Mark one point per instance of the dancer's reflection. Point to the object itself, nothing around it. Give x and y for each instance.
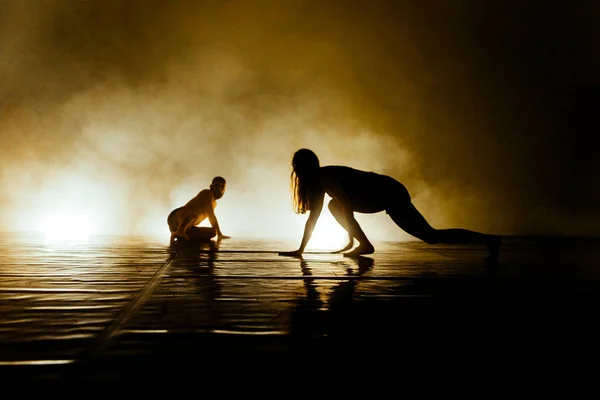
(195, 264)
(365, 264)
(315, 317)
(312, 300)
(194, 249)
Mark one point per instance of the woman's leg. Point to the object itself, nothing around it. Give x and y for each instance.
(350, 224)
(184, 226)
(173, 223)
(172, 220)
(201, 233)
(412, 222)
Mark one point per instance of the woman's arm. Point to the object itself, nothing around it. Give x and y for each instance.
(316, 206)
(311, 222)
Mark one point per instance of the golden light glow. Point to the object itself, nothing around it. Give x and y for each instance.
(328, 234)
(67, 226)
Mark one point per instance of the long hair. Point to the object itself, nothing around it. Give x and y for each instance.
(304, 179)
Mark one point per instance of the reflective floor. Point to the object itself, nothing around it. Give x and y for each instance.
(113, 307)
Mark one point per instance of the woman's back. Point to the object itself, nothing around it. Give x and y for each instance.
(349, 178)
(367, 191)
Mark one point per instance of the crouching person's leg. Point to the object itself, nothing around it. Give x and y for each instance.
(201, 233)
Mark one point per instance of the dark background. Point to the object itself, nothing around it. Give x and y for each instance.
(486, 110)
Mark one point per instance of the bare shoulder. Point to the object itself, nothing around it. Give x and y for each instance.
(328, 172)
(206, 194)
(332, 174)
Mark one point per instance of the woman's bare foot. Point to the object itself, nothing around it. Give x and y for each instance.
(346, 247)
(360, 250)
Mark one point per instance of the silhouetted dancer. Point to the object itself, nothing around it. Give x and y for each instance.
(352, 190)
(183, 220)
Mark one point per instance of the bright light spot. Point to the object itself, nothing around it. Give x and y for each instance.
(328, 234)
(66, 226)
